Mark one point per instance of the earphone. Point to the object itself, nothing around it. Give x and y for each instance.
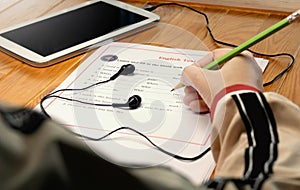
(124, 70)
(132, 103)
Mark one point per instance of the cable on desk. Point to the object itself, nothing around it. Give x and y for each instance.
(151, 8)
(176, 156)
(53, 95)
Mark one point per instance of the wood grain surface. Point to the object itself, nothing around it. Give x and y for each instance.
(24, 85)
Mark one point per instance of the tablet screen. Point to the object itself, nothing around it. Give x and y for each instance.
(75, 27)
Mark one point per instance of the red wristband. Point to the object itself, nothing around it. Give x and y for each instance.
(227, 90)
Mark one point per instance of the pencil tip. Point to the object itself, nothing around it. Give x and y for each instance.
(172, 90)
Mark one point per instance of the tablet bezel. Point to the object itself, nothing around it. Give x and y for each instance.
(34, 59)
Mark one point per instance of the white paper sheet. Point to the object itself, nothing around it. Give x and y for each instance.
(162, 116)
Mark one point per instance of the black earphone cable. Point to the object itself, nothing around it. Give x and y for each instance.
(176, 156)
(52, 95)
(151, 8)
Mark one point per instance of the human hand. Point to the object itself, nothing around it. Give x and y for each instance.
(203, 85)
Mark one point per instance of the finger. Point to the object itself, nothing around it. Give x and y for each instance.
(194, 101)
(188, 98)
(195, 77)
(199, 106)
(190, 74)
(205, 60)
(189, 89)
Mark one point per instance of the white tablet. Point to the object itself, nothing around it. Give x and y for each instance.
(56, 37)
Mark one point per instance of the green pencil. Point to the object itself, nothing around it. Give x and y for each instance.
(244, 46)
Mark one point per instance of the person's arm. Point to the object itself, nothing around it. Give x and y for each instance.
(247, 125)
(202, 86)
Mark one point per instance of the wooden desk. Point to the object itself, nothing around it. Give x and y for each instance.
(23, 85)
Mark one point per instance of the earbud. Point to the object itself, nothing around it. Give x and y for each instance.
(132, 103)
(127, 69)
(124, 70)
